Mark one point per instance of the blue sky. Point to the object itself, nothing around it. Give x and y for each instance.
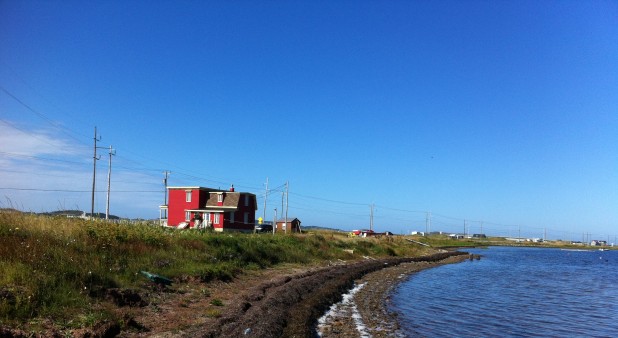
(500, 115)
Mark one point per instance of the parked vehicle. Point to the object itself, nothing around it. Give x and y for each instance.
(263, 228)
(363, 233)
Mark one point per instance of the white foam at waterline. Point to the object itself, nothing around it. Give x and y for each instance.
(336, 309)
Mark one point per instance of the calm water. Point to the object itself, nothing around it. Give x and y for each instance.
(514, 292)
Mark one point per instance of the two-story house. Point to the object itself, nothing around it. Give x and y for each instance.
(222, 210)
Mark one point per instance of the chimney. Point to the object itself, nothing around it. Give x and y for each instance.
(232, 188)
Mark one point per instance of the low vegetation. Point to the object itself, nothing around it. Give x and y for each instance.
(61, 269)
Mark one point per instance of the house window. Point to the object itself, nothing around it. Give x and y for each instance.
(219, 198)
(231, 217)
(188, 196)
(246, 218)
(246, 200)
(217, 218)
(187, 216)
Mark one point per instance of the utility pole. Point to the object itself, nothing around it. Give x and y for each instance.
(94, 170)
(544, 234)
(427, 223)
(112, 152)
(287, 204)
(282, 204)
(163, 211)
(464, 228)
(371, 218)
(166, 173)
(265, 198)
(275, 222)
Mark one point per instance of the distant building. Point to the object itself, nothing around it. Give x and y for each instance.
(290, 225)
(596, 242)
(200, 207)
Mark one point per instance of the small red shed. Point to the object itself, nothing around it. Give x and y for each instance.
(290, 225)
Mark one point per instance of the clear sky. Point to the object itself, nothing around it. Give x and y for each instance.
(501, 115)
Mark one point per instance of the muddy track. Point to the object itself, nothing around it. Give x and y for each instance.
(290, 306)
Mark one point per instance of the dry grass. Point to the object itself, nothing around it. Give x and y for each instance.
(60, 268)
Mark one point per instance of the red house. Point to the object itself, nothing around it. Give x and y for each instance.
(205, 207)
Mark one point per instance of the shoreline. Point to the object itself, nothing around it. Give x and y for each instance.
(290, 306)
(371, 300)
(271, 303)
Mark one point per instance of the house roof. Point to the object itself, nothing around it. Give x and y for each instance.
(290, 219)
(231, 200)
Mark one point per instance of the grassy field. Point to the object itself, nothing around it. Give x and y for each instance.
(56, 268)
(443, 241)
(59, 270)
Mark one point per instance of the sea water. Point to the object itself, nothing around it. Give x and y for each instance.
(513, 292)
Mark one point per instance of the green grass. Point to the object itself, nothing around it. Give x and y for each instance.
(57, 268)
(443, 241)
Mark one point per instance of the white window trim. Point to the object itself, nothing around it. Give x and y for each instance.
(187, 216)
(187, 196)
(217, 218)
(219, 197)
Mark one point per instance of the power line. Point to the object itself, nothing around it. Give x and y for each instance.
(192, 176)
(330, 200)
(73, 190)
(71, 116)
(39, 157)
(41, 115)
(27, 133)
(328, 211)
